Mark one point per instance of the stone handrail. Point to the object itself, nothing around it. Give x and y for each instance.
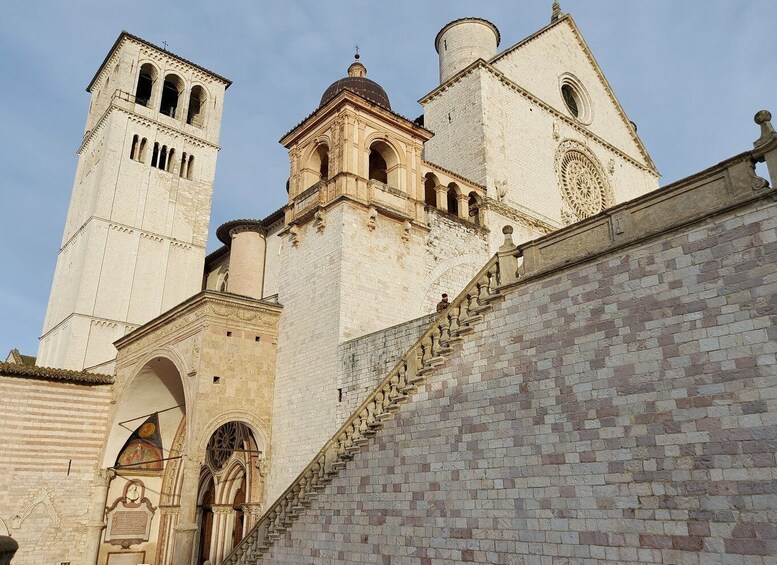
(457, 320)
(727, 185)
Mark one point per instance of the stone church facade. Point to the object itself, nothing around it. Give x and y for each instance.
(186, 407)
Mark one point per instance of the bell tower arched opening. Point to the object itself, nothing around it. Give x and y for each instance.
(383, 164)
(171, 92)
(145, 89)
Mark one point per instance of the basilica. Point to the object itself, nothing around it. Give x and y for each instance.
(600, 388)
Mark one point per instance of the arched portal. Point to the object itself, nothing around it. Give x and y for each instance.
(233, 469)
(156, 389)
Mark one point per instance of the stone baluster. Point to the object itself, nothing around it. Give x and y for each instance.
(453, 328)
(445, 335)
(507, 259)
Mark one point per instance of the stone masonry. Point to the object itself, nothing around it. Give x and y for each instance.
(615, 403)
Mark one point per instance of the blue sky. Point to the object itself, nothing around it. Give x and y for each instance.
(691, 74)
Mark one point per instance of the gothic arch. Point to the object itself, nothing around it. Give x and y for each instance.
(257, 427)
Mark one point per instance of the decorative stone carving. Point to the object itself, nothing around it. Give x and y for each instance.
(294, 236)
(129, 517)
(764, 119)
(372, 217)
(406, 226)
(41, 496)
(581, 182)
(556, 135)
(501, 189)
(320, 220)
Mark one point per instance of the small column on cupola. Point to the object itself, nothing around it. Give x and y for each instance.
(247, 245)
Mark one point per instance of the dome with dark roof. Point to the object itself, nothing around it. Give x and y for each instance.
(358, 83)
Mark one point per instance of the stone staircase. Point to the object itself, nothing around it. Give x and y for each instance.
(728, 185)
(429, 352)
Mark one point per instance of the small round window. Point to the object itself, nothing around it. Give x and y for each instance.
(575, 98)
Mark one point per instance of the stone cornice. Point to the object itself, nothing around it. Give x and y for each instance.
(124, 35)
(524, 218)
(126, 227)
(347, 97)
(146, 121)
(445, 171)
(205, 304)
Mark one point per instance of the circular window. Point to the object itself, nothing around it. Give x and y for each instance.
(223, 443)
(576, 98)
(570, 99)
(581, 181)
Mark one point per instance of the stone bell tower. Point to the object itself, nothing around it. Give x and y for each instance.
(355, 228)
(135, 235)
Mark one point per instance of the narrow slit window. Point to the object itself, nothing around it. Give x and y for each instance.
(170, 161)
(142, 150)
(163, 157)
(134, 148)
(182, 170)
(190, 167)
(155, 155)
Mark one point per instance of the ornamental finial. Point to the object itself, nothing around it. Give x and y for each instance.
(764, 119)
(556, 12)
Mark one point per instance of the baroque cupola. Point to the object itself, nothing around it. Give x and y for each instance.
(358, 83)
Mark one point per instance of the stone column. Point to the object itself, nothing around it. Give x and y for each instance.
(253, 512)
(246, 258)
(442, 196)
(186, 528)
(223, 525)
(96, 523)
(463, 206)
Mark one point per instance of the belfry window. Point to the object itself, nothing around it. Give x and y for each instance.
(430, 190)
(377, 167)
(474, 208)
(171, 92)
(453, 200)
(196, 113)
(190, 167)
(155, 155)
(145, 84)
(182, 170)
(170, 162)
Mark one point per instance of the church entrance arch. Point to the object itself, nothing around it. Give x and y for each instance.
(231, 490)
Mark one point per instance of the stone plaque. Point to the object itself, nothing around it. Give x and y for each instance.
(129, 518)
(127, 558)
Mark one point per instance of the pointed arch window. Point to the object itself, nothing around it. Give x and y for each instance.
(195, 115)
